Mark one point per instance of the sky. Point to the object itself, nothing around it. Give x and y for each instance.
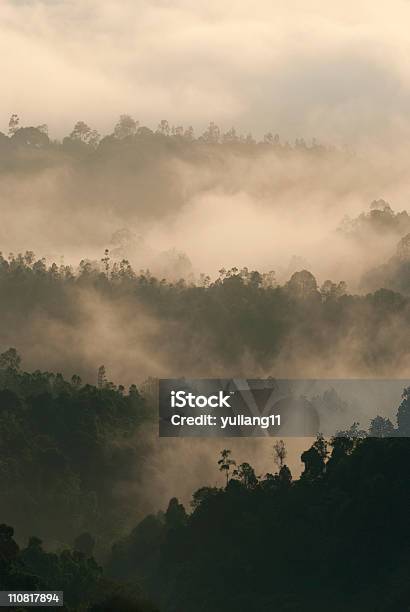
(336, 71)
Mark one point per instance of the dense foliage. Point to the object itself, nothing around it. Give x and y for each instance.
(74, 572)
(338, 538)
(64, 448)
(70, 451)
(133, 167)
(242, 321)
(339, 533)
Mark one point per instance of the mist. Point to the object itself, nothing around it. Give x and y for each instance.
(181, 204)
(185, 210)
(305, 69)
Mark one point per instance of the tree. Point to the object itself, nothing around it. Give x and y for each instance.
(202, 495)
(225, 463)
(43, 128)
(8, 547)
(302, 285)
(30, 137)
(246, 475)
(248, 139)
(321, 446)
(177, 131)
(189, 134)
(126, 126)
(279, 453)
(341, 447)
(10, 359)
(212, 134)
(85, 544)
(332, 291)
(175, 516)
(122, 602)
(315, 459)
(381, 428)
(380, 205)
(76, 381)
(106, 261)
(83, 133)
(163, 128)
(144, 132)
(403, 248)
(354, 433)
(230, 137)
(14, 123)
(101, 378)
(285, 476)
(271, 139)
(403, 414)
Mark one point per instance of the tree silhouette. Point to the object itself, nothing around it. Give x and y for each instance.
(403, 414)
(279, 453)
(126, 126)
(315, 459)
(10, 359)
(14, 124)
(225, 463)
(85, 544)
(84, 134)
(246, 475)
(101, 377)
(381, 427)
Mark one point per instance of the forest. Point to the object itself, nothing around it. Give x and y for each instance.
(182, 205)
(338, 537)
(297, 267)
(212, 199)
(243, 321)
(259, 542)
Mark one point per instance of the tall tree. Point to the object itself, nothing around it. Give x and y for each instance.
(279, 453)
(14, 124)
(225, 463)
(126, 126)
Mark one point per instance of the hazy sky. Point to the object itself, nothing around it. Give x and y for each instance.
(335, 70)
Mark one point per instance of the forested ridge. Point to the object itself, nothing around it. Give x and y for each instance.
(78, 453)
(339, 533)
(336, 538)
(241, 320)
(83, 137)
(205, 305)
(64, 448)
(135, 164)
(72, 571)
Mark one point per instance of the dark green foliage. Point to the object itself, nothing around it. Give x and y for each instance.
(64, 447)
(73, 572)
(339, 538)
(122, 603)
(85, 544)
(226, 463)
